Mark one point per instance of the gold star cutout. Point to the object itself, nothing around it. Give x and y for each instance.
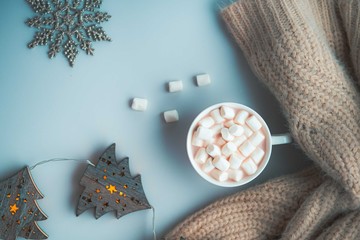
(13, 209)
(111, 189)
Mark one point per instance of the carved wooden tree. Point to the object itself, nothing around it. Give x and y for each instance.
(19, 210)
(110, 187)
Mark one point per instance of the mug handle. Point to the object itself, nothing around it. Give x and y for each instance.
(278, 139)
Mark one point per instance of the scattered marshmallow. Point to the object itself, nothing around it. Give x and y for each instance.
(226, 135)
(204, 133)
(227, 112)
(171, 116)
(207, 122)
(228, 124)
(208, 166)
(241, 117)
(216, 116)
(203, 80)
(213, 150)
(175, 86)
(219, 175)
(221, 163)
(257, 155)
(256, 139)
(228, 149)
(139, 104)
(254, 123)
(235, 160)
(239, 140)
(249, 166)
(246, 148)
(236, 130)
(247, 131)
(201, 156)
(236, 175)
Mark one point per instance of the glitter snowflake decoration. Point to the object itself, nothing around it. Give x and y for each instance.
(65, 25)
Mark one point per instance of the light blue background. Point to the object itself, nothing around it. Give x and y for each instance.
(48, 110)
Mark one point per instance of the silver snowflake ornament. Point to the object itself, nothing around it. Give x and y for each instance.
(65, 25)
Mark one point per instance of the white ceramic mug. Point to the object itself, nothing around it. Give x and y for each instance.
(270, 141)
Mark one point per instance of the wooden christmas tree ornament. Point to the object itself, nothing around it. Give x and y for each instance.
(110, 187)
(19, 210)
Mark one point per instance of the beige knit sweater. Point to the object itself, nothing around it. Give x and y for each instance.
(308, 53)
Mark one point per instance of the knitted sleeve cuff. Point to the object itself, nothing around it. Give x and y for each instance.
(255, 23)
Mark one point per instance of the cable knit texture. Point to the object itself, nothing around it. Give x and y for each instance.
(307, 52)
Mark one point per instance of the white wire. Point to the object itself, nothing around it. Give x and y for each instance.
(61, 160)
(153, 222)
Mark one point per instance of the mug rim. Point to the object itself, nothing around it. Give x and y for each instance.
(196, 166)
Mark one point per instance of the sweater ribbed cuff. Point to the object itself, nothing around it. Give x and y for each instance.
(255, 24)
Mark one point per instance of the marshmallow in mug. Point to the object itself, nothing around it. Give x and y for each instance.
(229, 144)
